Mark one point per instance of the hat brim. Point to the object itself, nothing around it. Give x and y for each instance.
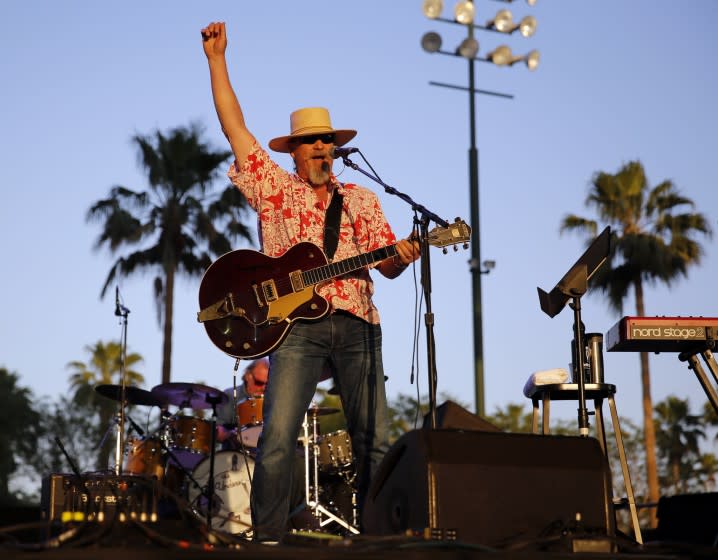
(341, 137)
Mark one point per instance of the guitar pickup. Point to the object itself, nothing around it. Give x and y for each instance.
(270, 291)
(296, 279)
(219, 310)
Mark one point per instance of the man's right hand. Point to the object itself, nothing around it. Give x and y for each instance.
(214, 42)
(214, 39)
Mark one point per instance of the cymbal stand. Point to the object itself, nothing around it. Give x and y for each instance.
(311, 492)
(209, 490)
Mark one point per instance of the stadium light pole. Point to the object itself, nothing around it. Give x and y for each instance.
(464, 13)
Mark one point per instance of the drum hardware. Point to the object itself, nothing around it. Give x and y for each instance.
(322, 515)
(198, 397)
(335, 451)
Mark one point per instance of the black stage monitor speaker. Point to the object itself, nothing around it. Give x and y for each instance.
(691, 518)
(451, 415)
(489, 488)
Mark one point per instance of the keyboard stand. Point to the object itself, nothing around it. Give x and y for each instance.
(597, 392)
(691, 356)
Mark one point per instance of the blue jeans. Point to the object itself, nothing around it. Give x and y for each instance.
(349, 346)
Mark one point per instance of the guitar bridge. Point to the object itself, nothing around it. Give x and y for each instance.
(296, 279)
(225, 307)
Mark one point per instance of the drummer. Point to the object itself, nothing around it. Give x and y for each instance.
(254, 381)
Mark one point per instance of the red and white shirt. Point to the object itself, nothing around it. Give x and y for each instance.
(289, 212)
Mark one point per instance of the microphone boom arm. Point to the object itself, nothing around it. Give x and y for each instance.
(426, 216)
(419, 208)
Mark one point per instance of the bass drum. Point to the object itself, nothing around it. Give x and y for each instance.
(232, 486)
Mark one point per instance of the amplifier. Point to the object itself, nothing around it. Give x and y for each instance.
(99, 497)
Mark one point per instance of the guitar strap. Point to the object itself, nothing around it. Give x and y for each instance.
(331, 224)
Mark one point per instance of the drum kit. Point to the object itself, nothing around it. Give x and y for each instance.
(181, 456)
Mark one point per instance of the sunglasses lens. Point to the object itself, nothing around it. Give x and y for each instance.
(325, 138)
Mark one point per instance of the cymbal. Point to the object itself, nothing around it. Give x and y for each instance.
(133, 395)
(322, 410)
(189, 395)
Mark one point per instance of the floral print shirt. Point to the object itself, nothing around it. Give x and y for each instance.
(289, 212)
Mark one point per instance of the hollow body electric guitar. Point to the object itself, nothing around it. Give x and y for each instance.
(249, 301)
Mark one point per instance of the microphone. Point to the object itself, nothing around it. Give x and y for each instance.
(342, 152)
(118, 310)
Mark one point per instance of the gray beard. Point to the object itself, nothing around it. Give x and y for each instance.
(318, 177)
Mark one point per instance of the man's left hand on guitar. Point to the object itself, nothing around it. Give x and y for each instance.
(407, 251)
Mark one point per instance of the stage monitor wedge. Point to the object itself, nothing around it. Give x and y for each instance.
(490, 488)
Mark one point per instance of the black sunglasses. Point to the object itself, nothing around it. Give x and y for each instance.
(327, 138)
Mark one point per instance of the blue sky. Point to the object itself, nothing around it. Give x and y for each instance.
(617, 81)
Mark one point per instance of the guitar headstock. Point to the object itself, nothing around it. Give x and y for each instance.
(453, 234)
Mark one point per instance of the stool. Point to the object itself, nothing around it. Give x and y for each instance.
(596, 392)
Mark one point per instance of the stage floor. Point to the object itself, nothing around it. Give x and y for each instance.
(183, 539)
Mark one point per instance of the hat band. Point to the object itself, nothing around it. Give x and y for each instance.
(311, 129)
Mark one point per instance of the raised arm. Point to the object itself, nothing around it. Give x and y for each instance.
(229, 112)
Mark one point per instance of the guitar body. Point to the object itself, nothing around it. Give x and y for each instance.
(249, 301)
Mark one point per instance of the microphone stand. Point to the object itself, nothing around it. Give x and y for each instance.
(426, 216)
(121, 311)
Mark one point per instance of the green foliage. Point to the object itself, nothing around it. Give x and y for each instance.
(20, 423)
(684, 467)
(513, 418)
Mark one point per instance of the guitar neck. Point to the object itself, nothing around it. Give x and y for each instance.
(332, 270)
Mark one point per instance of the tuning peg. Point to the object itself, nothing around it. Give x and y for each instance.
(444, 250)
(466, 246)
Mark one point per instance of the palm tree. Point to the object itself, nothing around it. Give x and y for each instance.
(678, 435)
(653, 240)
(179, 223)
(104, 367)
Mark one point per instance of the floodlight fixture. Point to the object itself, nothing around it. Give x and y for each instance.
(527, 26)
(503, 22)
(464, 12)
(532, 60)
(431, 42)
(468, 48)
(432, 8)
(501, 56)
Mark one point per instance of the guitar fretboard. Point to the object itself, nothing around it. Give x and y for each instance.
(332, 270)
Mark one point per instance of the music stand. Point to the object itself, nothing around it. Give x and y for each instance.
(572, 286)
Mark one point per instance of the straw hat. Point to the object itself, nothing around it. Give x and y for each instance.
(309, 121)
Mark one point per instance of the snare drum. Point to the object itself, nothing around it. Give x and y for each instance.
(190, 439)
(335, 451)
(144, 457)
